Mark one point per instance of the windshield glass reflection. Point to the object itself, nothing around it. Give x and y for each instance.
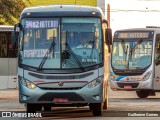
(132, 55)
(83, 36)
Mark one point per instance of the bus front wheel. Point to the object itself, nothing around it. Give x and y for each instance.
(142, 93)
(105, 104)
(31, 108)
(96, 108)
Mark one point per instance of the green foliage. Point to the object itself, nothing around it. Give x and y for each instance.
(10, 11)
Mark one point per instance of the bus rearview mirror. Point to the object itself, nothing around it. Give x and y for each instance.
(16, 27)
(109, 36)
(15, 35)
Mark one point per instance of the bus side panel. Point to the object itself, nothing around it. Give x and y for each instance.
(12, 81)
(3, 73)
(157, 78)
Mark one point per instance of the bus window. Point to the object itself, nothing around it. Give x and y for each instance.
(12, 52)
(6, 45)
(3, 45)
(157, 50)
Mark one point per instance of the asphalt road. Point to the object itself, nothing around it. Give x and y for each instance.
(122, 105)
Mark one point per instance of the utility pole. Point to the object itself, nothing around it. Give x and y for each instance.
(108, 15)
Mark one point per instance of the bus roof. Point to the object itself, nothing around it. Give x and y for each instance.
(61, 10)
(136, 33)
(6, 28)
(139, 29)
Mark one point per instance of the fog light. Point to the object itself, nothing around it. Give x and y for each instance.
(97, 97)
(23, 97)
(146, 84)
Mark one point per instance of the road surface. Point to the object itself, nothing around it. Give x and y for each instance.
(122, 104)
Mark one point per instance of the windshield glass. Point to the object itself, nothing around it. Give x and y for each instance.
(77, 42)
(131, 55)
(83, 36)
(36, 36)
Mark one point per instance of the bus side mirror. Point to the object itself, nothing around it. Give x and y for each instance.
(15, 35)
(109, 38)
(108, 32)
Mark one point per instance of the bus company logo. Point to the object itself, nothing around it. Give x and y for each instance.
(60, 83)
(6, 114)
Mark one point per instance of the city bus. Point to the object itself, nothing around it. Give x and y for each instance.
(52, 70)
(8, 58)
(135, 61)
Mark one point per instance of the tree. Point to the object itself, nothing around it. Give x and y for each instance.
(10, 11)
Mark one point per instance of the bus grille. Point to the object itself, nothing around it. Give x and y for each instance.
(70, 96)
(60, 76)
(121, 85)
(45, 88)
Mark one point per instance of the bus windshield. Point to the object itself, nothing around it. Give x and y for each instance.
(77, 42)
(131, 54)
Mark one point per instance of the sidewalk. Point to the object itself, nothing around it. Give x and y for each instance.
(9, 94)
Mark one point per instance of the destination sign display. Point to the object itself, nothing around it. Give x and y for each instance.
(50, 23)
(35, 53)
(133, 35)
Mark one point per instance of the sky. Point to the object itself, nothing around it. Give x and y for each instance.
(134, 13)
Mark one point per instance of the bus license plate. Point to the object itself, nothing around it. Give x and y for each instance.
(127, 87)
(60, 100)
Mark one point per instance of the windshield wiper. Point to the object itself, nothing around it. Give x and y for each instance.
(51, 47)
(132, 49)
(74, 56)
(138, 43)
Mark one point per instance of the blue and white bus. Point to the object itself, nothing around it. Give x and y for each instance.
(135, 61)
(52, 71)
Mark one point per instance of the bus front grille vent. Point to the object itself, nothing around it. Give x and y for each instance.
(70, 96)
(121, 85)
(72, 88)
(60, 76)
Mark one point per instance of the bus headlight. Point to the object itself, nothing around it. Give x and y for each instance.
(28, 84)
(147, 75)
(95, 82)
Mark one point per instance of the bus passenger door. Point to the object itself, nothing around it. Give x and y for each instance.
(157, 63)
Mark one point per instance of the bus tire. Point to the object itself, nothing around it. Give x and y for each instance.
(38, 107)
(142, 93)
(96, 108)
(31, 108)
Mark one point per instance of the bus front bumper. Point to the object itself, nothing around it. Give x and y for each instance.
(130, 85)
(83, 95)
